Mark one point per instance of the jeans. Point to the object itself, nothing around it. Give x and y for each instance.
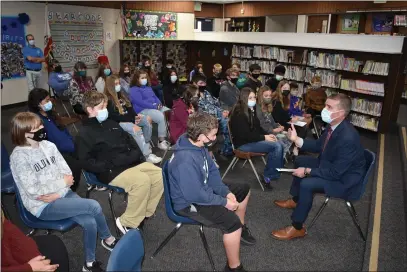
(227, 144)
(138, 136)
(303, 189)
(158, 118)
(33, 78)
(85, 212)
(275, 158)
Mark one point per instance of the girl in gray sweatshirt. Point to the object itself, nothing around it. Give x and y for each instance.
(43, 179)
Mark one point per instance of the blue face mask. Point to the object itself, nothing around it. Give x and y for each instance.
(82, 73)
(326, 116)
(47, 106)
(102, 115)
(143, 81)
(251, 103)
(107, 72)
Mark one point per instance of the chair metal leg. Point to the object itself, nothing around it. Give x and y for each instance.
(352, 212)
(165, 154)
(264, 160)
(162, 245)
(230, 166)
(206, 246)
(244, 163)
(318, 213)
(233, 166)
(113, 212)
(152, 143)
(88, 190)
(31, 232)
(257, 176)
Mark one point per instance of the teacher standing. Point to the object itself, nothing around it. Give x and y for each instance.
(33, 59)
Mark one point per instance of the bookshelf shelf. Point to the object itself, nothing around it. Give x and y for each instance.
(366, 113)
(367, 128)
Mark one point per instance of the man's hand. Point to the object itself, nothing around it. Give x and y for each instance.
(231, 205)
(270, 138)
(225, 114)
(29, 58)
(49, 197)
(231, 196)
(68, 180)
(136, 128)
(292, 134)
(39, 263)
(299, 172)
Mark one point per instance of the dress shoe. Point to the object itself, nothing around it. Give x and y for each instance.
(286, 204)
(288, 233)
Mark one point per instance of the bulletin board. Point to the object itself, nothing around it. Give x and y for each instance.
(149, 25)
(12, 43)
(76, 37)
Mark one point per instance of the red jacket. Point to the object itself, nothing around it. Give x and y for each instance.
(178, 120)
(16, 249)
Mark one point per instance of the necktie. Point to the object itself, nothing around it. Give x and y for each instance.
(328, 136)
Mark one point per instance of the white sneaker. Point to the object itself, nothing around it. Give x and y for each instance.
(164, 145)
(119, 225)
(153, 159)
(100, 188)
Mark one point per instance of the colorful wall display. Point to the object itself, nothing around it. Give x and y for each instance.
(382, 22)
(149, 25)
(76, 37)
(350, 22)
(12, 43)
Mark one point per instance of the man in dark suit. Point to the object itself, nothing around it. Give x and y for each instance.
(338, 171)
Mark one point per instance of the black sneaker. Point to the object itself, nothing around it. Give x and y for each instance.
(111, 246)
(237, 269)
(267, 184)
(247, 238)
(94, 268)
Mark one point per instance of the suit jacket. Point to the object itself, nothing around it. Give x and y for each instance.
(342, 163)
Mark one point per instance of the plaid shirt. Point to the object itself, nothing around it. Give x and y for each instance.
(210, 104)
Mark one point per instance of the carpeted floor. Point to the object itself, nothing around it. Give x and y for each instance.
(332, 244)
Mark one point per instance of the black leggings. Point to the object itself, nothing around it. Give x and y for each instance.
(76, 169)
(54, 249)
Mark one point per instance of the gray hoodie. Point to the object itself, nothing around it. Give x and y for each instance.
(38, 171)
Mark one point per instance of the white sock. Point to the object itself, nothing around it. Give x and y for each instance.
(89, 264)
(110, 240)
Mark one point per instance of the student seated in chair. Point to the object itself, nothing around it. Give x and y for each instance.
(115, 158)
(338, 171)
(197, 190)
(249, 136)
(58, 80)
(43, 179)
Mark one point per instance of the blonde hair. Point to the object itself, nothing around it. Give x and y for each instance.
(91, 99)
(264, 107)
(22, 123)
(111, 93)
(217, 66)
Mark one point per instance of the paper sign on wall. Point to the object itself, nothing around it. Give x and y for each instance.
(108, 36)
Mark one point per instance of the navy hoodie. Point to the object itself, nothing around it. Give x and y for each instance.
(193, 177)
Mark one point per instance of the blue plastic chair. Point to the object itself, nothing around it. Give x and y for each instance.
(128, 254)
(180, 220)
(370, 158)
(7, 181)
(34, 223)
(92, 181)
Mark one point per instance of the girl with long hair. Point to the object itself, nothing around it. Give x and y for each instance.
(170, 87)
(103, 72)
(125, 77)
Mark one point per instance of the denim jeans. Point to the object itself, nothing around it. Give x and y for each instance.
(227, 144)
(275, 158)
(138, 136)
(85, 212)
(147, 128)
(158, 118)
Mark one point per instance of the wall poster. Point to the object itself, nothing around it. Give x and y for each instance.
(12, 43)
(382, 22)
(76, 37)
(149, 25)
(350, 22)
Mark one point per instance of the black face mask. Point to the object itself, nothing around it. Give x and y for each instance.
(255, 76)
(210, 143)
(147, 67)
(39, 135)
(234, 80)
(58, 69)
(127, 74)
(202, 89)
(286, 92)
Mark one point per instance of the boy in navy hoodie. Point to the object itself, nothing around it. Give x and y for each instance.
(197, 190)
(59, 80)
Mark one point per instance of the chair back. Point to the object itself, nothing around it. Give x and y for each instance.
(128, 254)
(5, 159)
(7, 181)
(169, 208)
(370, 159)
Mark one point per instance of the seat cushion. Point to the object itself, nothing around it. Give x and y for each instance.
(247, 155)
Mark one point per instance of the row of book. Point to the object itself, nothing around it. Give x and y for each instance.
(367, 106)
(364, 121)
(376, 68)
(267, 67)
(329, 78)
(361, 86)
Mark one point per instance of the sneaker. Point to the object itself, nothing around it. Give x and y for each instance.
(153, 159)
(122, 228)
(267, 184)
(95, 267)
(100, 188)
(237, 269)
(107, 246)
(247, 238)
(164, 145)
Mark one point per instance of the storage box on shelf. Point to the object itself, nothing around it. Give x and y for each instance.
(338, 71)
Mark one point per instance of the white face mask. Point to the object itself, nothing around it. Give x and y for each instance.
(279, 77)
(173, 79)
(117, 88)
(251, 103)
(169, 66)
(143, 81)
(31, 42)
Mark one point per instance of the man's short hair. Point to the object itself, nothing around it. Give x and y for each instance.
(91, 99)
(344, 101)
(217, 66)
(279, 69)
(198, 77)
(254, 66)
(200, 123)
(28, 35)
(231, 71)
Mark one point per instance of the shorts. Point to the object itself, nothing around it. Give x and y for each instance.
(218, 217)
